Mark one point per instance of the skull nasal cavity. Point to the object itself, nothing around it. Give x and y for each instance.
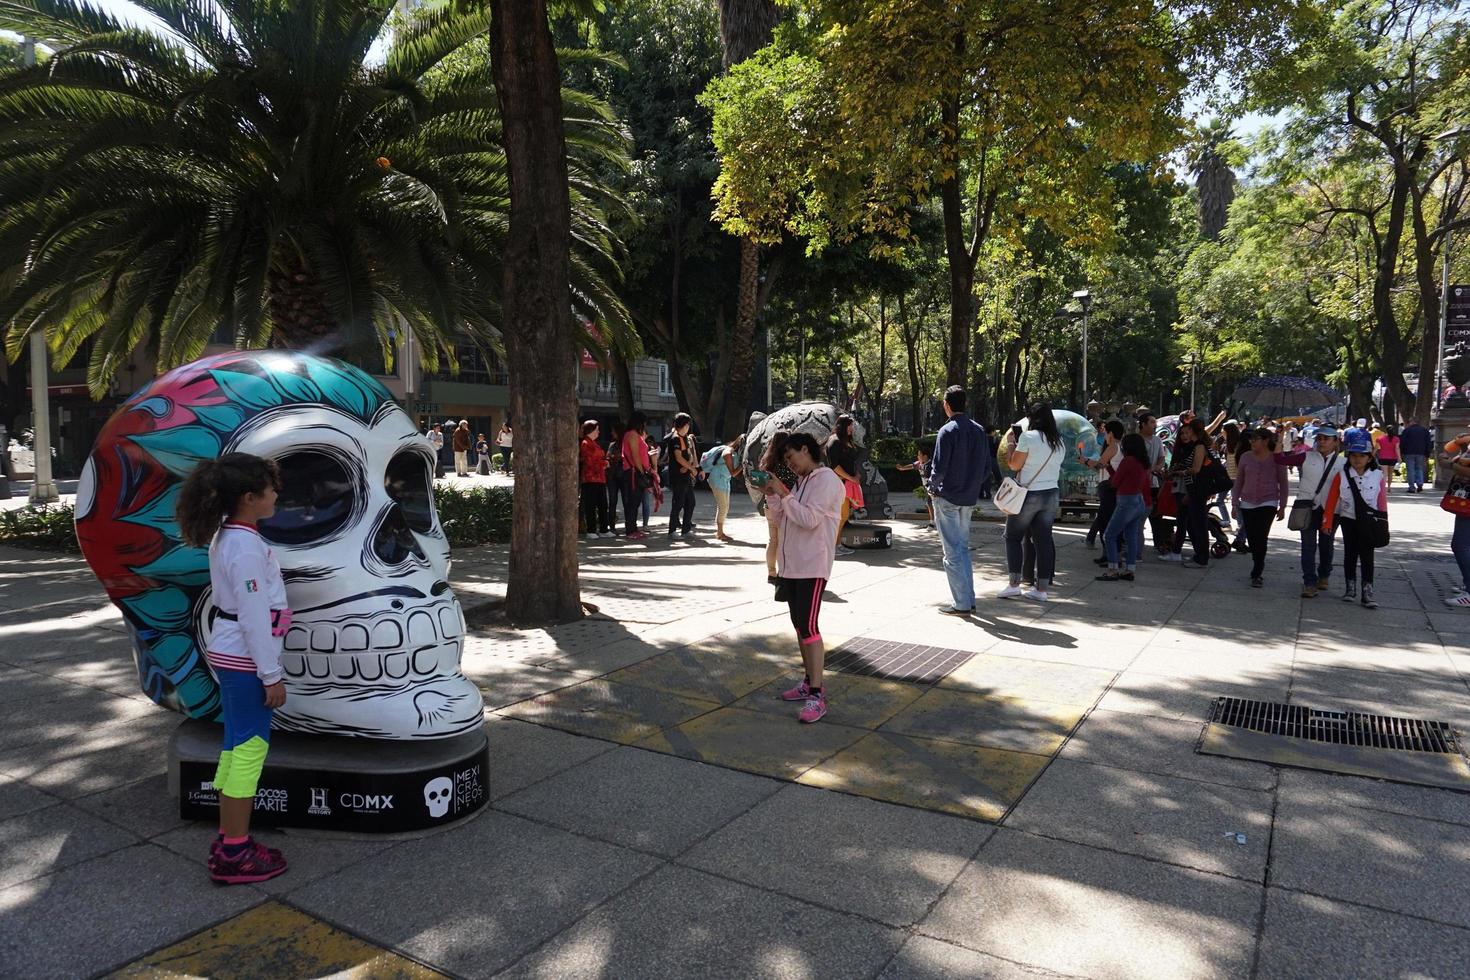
(393, 540)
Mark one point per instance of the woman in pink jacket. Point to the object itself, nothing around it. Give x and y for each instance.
(808, 516)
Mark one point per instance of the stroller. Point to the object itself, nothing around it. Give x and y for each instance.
(1169, 511)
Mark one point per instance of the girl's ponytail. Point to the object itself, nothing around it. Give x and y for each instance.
(213, 490)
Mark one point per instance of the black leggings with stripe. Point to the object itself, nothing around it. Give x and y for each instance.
(804, 596)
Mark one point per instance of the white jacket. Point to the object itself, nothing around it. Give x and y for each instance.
(247, 586)
(1314, 464)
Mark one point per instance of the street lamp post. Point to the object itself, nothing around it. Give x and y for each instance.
(1084, 297)
(1193, 363)
(44, 489)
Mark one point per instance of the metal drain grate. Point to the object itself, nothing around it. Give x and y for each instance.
(1336, 727)
(894, 660)
(1406, 750)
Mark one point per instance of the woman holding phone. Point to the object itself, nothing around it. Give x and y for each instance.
(807, 516)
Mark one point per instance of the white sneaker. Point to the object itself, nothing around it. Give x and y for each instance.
(1009, 592)
(1461, 598)
(1035, 595)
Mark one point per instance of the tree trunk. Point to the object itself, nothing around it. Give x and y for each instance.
(299, 311)
(1425, 259)
(623, 379)
(540, 345)
(961, 284)
(742, 341)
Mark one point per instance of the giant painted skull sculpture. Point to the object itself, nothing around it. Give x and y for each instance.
(819, 419)
(374, 647)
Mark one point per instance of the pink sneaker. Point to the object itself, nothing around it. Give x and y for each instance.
(814, 709)
(798, 693)
(255, 863)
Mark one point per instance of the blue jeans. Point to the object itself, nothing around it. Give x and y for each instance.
(1316, 550)
(1036, 516)
(953, 523)
(1460, 545)
(1417, 468)
(1126, 525)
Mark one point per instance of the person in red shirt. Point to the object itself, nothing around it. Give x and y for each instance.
(593, 466)
(1124, 533)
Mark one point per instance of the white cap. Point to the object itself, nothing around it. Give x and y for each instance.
(1362, 423)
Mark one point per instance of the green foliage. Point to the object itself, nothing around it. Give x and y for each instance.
(47, 528)
(250, 174)
(474, 517)
(890, 450)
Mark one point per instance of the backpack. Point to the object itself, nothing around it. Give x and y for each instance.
(714, 456)
(1212, 478)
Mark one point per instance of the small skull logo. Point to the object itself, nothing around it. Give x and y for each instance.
(437, 794)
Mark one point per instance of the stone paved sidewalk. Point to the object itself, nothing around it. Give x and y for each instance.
(656, 812)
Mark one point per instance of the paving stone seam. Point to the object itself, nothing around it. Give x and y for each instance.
(1458, 926)
(404, 954)
(1174, 775)
(1258, 883)
(1266, 877)
(29, 668)
(110, 970)
(663, 862)
(1039, 971)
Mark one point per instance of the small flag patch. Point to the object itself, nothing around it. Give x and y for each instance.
(250, 585)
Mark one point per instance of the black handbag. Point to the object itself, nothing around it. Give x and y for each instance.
(1377, 519)
(783, 589)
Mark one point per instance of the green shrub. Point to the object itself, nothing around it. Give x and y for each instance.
(478, 516)
(891, 449)
(49, 528)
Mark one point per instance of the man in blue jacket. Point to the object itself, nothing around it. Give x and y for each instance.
(1415, 446)
(960, 466)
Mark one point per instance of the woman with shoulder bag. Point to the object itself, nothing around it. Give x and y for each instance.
(1358, 501)
(1457, 501)
(1037, 458)
(1193, 499)
(1258, 496)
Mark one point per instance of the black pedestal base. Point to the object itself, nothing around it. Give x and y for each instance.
(328, 783)
(860, 534)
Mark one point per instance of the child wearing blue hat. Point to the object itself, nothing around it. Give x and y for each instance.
(1357, 501)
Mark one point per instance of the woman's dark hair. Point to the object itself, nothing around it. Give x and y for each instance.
(1114, 428)
(588, 427)
(843, 429)
(1232, 438)
(735, 445)
(1135, 446)
(637, 421)
(213, 491)
(1392, 431)
(807, 441)
(775, 453)
(1040, 419)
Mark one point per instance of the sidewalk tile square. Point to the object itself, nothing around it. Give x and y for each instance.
(885, 862)
(861, 702)
(604, 709)
(43, 841)
(605, 659)
(1084, 912)
(473, 900)
(96, 759)
(682, 923)
(1179, 699)
(1176, 820)
(64, 717)
(505, 682)
(17, 797)
(994, 722)
(103, 913)
(1307, 936)
(755, 741)
(522, 753)
(1300, 787)
(641, 799)
(951, 777)
(312, 855)
(1008, 677)
(146, 807)
(1386, 859)
(923, 958)
(1146, 744)
(721, 676)
(278, 940)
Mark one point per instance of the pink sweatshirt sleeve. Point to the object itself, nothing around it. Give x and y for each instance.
(824, 500)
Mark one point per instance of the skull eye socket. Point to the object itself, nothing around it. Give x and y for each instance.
(315, 500)
(407, 482)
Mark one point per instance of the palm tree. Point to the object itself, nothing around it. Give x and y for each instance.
(1209, 157)
(246, 167)
(745, 27)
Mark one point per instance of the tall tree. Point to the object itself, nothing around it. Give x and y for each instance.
(1211, 153)
(539, 330)
(745, 27)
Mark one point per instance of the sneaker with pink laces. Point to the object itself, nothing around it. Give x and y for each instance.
(255, 863)
(800, 692)
(814, 709)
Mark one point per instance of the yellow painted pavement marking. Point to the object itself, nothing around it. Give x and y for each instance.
(994, 722)
(273, 940)
(861, 702)
(622, 713)
(755, 741)
(966, 780)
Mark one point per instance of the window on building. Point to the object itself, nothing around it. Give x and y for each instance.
(475, 366)
(604, 382)
(665, 381)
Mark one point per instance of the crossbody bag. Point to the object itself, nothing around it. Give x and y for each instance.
(1301, 511)
(1011, 496)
